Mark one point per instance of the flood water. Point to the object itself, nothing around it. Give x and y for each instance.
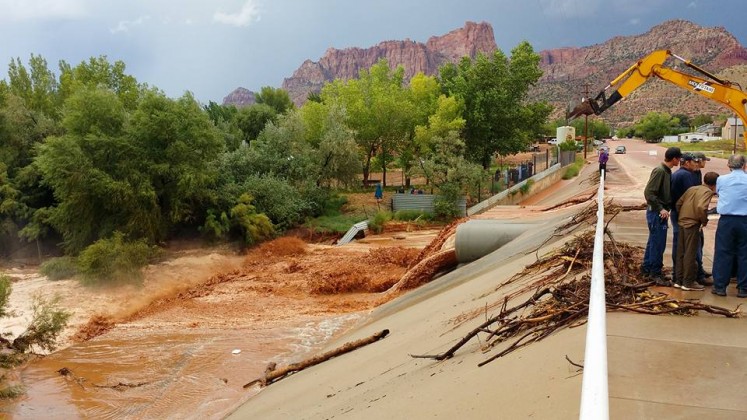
(170, 372)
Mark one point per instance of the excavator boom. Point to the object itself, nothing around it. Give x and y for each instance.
(652, 65)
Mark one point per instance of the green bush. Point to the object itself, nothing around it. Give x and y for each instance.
(114, 260)
(526, 186)
(255, 227)
(285, 205)
(573, 169)
(376, 223)
(59, 268)
(445, 203)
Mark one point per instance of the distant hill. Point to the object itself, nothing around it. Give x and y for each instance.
(567, 71)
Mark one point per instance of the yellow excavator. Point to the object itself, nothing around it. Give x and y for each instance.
(652, 65)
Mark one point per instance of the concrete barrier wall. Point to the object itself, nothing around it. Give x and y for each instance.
(514, 194)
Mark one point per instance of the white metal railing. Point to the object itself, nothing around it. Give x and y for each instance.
(594, 390)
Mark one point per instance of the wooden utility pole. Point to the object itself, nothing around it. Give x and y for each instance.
(586, 120)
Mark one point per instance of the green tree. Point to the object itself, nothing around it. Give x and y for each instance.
(699, 120)
(253, 119)
(377, 111)
(655, 125)
(178, 144)
(277, 99)
(98, 72)
(494, 90)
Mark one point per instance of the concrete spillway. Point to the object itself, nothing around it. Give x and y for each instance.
(478, 238)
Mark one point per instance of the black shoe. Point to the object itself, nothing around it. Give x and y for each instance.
(705, 274)
(742, 293)
(659, 280)
(718, 292)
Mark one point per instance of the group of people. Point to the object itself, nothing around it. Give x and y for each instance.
(684, 198)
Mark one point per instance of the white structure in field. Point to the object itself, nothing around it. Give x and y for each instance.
(565, 133)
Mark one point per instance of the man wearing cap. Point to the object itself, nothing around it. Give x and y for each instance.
(682, 180)
(658, 203)
(731, 232)
(701, 159)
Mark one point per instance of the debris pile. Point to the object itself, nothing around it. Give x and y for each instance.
(559, 284)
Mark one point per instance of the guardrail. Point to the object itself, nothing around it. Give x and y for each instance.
(594, 390)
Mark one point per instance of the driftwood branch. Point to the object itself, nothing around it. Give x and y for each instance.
(273, 374)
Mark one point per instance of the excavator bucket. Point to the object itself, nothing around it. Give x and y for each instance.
(584, 108)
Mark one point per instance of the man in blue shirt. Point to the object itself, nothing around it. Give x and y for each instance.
(682, 179)
(731, 232)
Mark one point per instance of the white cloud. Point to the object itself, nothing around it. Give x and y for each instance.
(125, 25)
(692, 5)
(20, 10)
(634, 21)
(569, 8)
(249, 13)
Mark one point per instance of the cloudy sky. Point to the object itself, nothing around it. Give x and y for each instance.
(210, 47)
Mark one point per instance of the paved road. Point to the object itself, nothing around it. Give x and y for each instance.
(671, 366)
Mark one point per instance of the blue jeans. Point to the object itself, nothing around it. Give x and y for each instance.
(731, 245)
(675, 238)
(653, 259)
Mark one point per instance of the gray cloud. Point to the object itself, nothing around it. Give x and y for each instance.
(248, 14)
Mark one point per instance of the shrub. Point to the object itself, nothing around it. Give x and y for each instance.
(574, 168)
(376, 223)
(445, 203)
(59, 268)
(280, 201)
(255, 227)
(114, 260)
(526, 186)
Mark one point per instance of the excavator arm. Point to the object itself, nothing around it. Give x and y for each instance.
(652, 65)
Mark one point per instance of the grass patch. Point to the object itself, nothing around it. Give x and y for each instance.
(376, 223)
(413, 215)
(573, 169)
(334, 224)
(714, 148)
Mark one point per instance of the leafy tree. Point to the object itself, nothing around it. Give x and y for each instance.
(87, 171)
(699, 120)
(37, 88)
(97, 72)
(253, 119)
(655, 125)
(177, 144)
(377, 111)
(598, 129)
(337, 152)
(494, 90)
(275, 98)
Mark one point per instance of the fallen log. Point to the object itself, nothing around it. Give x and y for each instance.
(273, 374)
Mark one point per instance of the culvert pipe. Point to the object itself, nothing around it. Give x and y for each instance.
(478, 238)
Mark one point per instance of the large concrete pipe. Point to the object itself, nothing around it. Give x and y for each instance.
(478, 238)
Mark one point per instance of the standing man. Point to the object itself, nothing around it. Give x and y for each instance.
(603, 158)
(701, 159)
(692, 209)
(682, 179)
(659, 202)
(731, 232)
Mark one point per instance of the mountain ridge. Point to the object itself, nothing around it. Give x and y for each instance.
(567, 72)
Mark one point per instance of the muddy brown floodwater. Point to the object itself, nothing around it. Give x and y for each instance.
(184, 344)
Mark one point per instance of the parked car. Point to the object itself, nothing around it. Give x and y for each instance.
(620, 150)
(553, 141)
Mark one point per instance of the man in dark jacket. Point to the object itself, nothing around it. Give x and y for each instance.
(659, 202)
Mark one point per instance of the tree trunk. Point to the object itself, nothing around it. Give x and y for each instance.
(272, 374)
